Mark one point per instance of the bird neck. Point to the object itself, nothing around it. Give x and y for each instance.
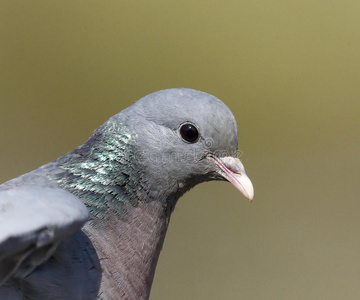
(128, 225)
(128, 219)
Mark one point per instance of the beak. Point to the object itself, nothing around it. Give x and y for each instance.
(231, 169)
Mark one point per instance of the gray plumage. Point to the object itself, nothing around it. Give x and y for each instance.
(129, 175)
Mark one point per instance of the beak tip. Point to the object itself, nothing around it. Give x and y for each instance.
(249, 192)
(244, 185)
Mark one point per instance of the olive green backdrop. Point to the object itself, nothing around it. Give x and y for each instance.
(289, 71)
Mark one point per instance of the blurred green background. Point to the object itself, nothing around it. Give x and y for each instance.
(289, 71)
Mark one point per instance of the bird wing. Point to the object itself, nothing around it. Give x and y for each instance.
(33, 222)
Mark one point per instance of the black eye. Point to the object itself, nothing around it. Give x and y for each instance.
(189, 133)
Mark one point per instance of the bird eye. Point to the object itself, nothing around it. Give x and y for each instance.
(189, 133)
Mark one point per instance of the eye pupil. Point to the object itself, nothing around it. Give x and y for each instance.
(189, 133)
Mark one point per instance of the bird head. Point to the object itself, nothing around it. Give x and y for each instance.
(185, 137)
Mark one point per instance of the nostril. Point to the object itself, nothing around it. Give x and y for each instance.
(233, 164)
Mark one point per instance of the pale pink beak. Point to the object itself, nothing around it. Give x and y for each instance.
(233, 171)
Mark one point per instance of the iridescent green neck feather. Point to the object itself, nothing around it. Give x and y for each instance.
(103, 171)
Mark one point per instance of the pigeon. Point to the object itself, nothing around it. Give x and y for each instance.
(91, 224)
